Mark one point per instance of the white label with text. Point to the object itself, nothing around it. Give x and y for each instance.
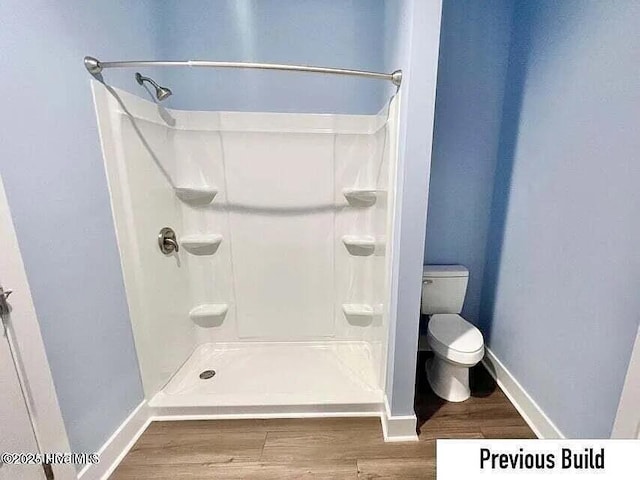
(532, 459)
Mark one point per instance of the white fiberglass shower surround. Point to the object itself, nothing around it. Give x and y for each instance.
(276, 302)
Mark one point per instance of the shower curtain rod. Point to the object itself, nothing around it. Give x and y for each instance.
(95, 66)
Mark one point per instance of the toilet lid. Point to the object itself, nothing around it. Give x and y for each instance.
(455, 332)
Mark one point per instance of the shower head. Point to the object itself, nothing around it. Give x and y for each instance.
(161, 92)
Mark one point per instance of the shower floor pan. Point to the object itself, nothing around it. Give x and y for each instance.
(283, 379)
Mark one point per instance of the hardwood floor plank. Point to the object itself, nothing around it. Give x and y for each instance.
(288, 446)
(181, 448)
(396, 469)
(336, 470)
(503, 431)
(485, 420)
(433, 432)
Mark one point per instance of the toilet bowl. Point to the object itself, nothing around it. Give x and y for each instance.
(457, 346)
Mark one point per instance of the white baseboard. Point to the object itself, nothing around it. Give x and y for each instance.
(398, 428)
(119, 444)
(535, 417)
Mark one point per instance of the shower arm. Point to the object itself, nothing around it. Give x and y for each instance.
(141, 79)
(95, 66)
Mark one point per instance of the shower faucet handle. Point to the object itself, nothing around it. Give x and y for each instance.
(167, 241)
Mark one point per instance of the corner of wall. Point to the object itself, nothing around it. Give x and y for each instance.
(398, 428)
(420, 46)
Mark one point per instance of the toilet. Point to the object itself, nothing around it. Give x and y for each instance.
(457, 345)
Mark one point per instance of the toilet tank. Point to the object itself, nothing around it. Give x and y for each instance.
(443, 288)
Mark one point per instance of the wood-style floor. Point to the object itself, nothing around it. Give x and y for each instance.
(322, 448)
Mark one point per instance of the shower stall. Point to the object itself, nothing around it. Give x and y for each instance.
(256, 250)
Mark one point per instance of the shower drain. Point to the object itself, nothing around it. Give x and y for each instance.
(207, 374)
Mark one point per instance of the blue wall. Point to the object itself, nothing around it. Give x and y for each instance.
(334, 33)
(561, 305)
(51, 165)
(474, 50)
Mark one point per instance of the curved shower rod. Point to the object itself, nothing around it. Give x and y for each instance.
(95, 66)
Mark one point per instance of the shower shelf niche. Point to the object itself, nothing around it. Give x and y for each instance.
(360, 245)
(209, 314)
(361, 197)
(197, 195)
(358, 313)
(201, 244)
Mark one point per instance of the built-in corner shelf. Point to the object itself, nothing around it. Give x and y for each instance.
(358, 313)
(360, 245)
(200, 195)
(361, 197)
(209, 314)
(201, 244)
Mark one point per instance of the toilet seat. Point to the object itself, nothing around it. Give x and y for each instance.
(455, 339)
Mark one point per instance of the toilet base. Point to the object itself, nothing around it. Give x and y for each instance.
(448, 381)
